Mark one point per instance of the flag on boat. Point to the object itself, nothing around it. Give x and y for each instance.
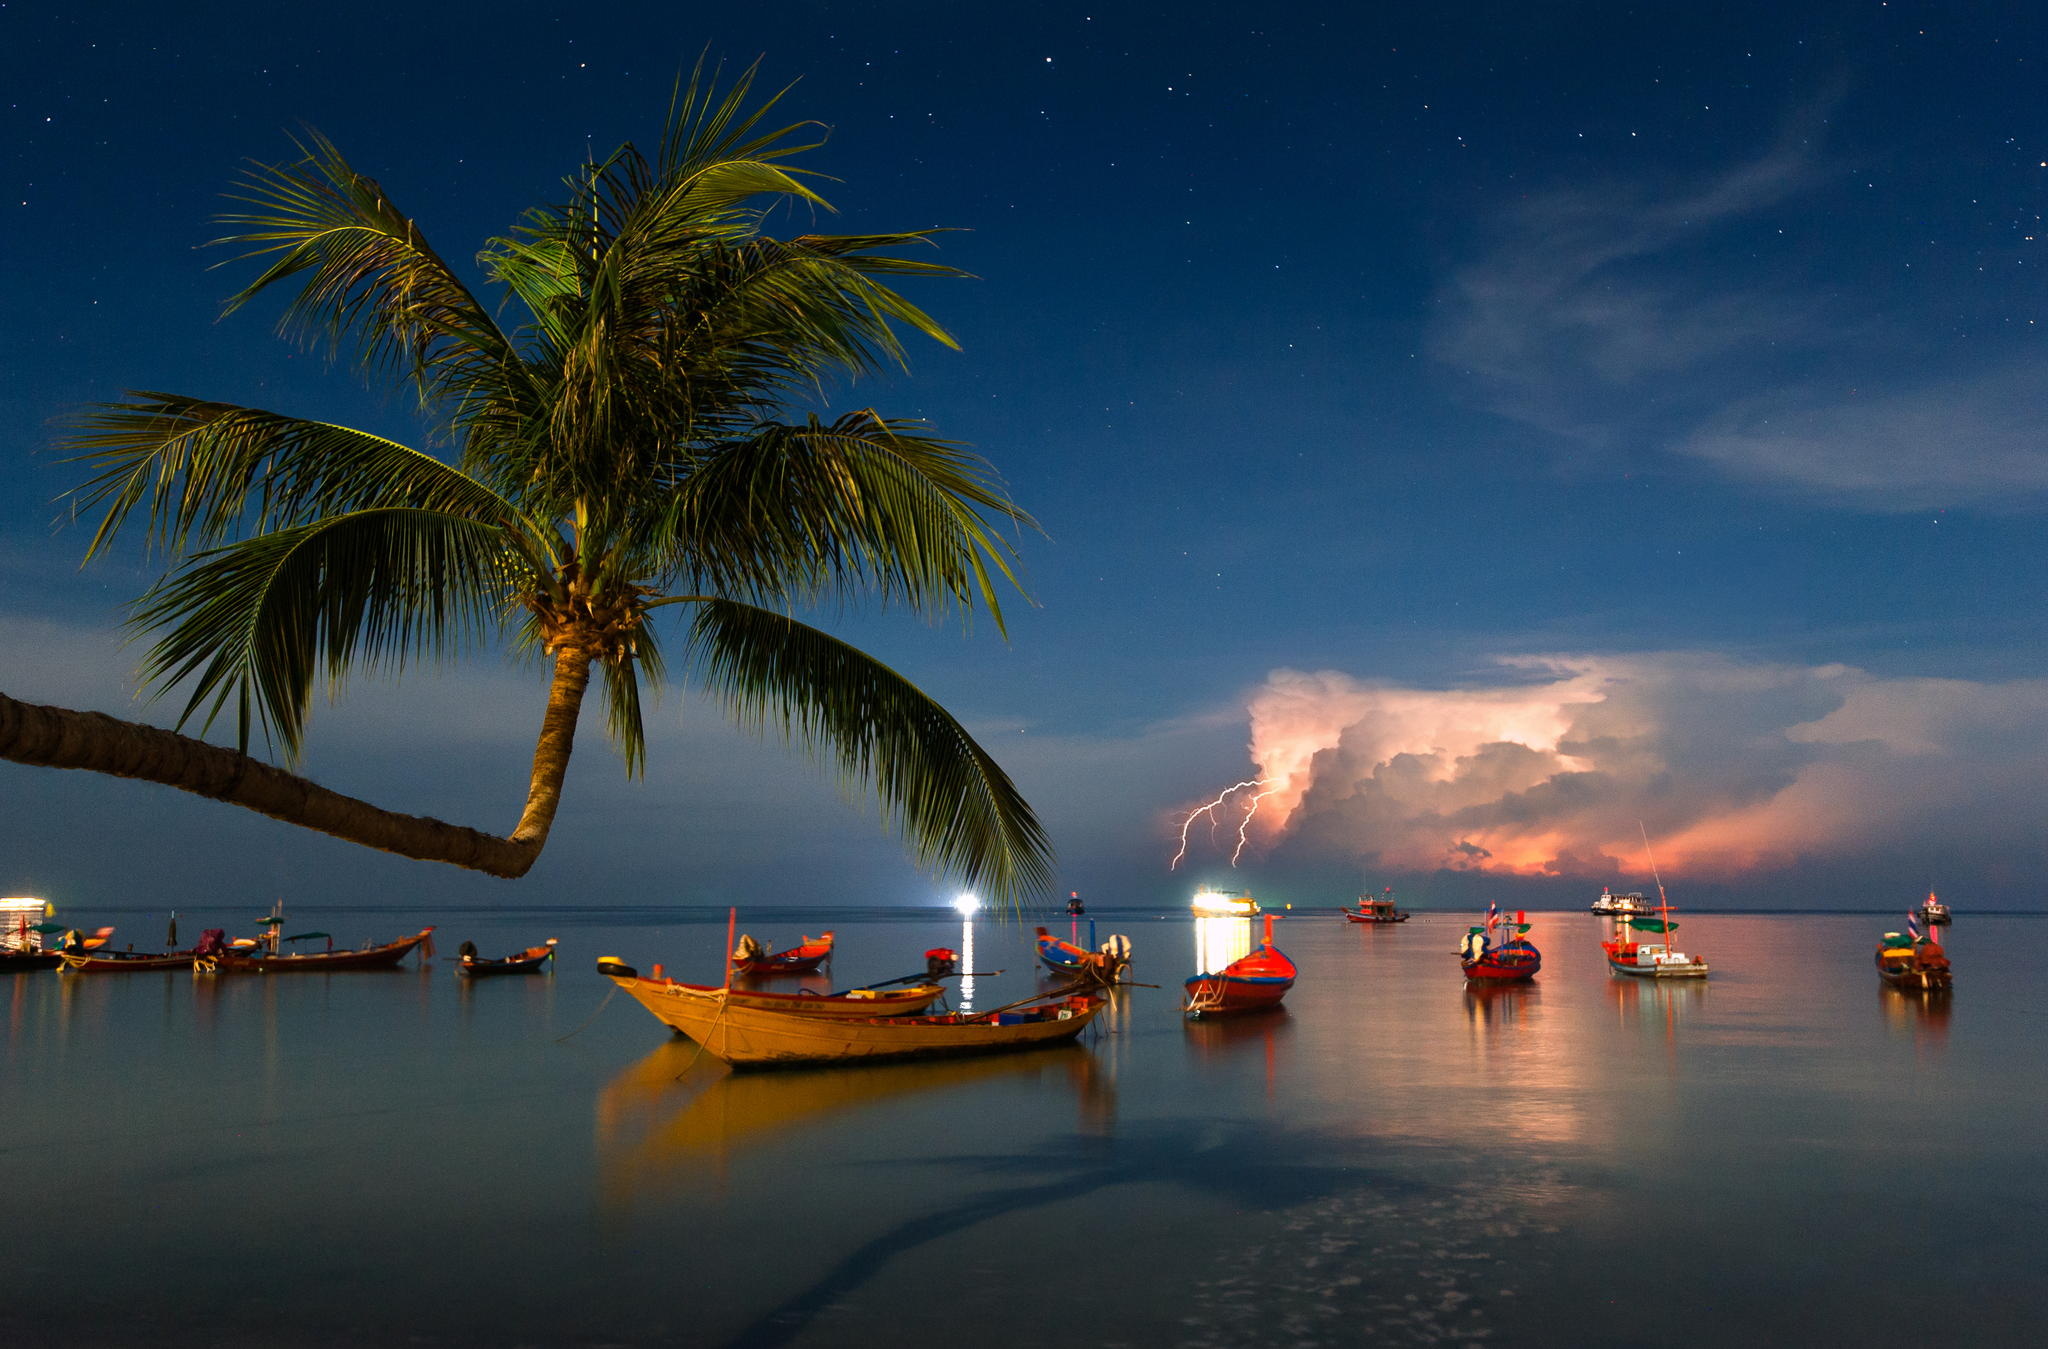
(1913, 930)
(1492, 916)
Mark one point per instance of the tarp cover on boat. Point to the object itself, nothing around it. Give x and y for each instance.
(1650, 924)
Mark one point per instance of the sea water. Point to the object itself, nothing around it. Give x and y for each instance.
(1785, 1153)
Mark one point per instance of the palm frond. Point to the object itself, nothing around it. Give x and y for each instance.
(207, 472)
(258, 620)
(862, 503)
(945, 794)
(369, 274)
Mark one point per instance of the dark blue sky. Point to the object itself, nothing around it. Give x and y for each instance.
(1687, 362)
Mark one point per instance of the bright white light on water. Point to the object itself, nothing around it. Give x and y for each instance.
(967, 902)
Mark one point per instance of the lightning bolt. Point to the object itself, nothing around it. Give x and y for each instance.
(1210, 810)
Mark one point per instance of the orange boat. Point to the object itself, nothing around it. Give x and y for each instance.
(751, 957)
(660, 996)
(220, 958)
(753, 1037)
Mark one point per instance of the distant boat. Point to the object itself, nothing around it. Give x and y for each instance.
(215, 954)
(530, 961)
(751, 1037)
(1611, 903)
(1251, 983)
(1933, 912)
(123, 962)
(1376, 909)
(1913, 962)
(1514, 959)
(1216, 904)
(751, 957)
(22, 928)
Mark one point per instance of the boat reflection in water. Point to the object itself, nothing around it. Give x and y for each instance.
(1924, 1016)
(1499, 1005)
(663, 1117)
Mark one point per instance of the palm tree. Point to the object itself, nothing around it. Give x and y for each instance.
(637, 446)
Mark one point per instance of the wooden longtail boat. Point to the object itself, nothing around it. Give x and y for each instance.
(751, 957)
(529, 961)
(1916, 964)
(1251, 983)
(1376, 909)
(218, 958)
(1512, 960)
(857, 1004)
(753, 1037)
(1067, 958)
(123, 962)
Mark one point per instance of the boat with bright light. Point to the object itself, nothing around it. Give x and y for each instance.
(1513, 959)
(1914, 963)
(1216, 904)
(752, 957)
(756, 1037)
(1251, 983)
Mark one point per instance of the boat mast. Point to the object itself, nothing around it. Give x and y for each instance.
(1663, 903)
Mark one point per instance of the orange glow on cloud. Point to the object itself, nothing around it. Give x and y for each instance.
(1734, 769)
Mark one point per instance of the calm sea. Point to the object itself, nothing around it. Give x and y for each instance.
(1788, 1154)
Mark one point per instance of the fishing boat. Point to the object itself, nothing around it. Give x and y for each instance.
(1513, 959)
(1912, 962)
(1251, 983)
(1377, 908)
(1216, 904)
(23, 926)
(1651, 959)
(752, 957)
(1933, 912)
(1102, 964)
(123, 962)
(216, 955)
(757, 1037)
(659, 994)
(1621, 905)
(530, 961)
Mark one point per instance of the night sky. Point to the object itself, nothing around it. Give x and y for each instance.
(1499, 429)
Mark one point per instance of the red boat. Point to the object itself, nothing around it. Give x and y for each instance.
(751, 957)
(529, 961)
(1512, 960)
(1251, 983)
(1103, 966)
(214, 955)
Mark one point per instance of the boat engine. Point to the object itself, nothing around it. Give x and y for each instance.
(1118, 949)
(940, 961)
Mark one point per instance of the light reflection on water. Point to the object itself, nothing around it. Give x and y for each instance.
(1393, 1152)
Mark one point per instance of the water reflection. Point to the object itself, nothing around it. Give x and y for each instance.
(1921, 1015)
(664, 1116)
(967, 965)
(1498, 1005)
(1655, 1004)
(1222, 1042)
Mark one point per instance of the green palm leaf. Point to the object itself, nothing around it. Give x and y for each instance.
(948, 797)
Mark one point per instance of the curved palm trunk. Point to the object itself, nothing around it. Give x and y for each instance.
(551, 753)
(56, 737)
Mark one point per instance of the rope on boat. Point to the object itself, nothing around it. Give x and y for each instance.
(593, 1016)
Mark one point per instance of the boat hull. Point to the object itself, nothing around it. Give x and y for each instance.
(802, 959)
(14, 962)
(750, 1037)
(123, 962)
(1503, 967)
(526, 962)
(1672, 969)
(1919, 970)
(1354, 916)
(367, 958)
(1207, 995)
(662, 996)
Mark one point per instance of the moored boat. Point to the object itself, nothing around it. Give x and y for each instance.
(530, 961)
(22, 929)
(1376, 909)
(752, 957)
(660, 995)
(1251, 983)
(1512, 959)
(1912, 962)
(215, 955)
(756, 1037)
(1651, 959)
(1102, 964)
(123, 962)
(1933, 912)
